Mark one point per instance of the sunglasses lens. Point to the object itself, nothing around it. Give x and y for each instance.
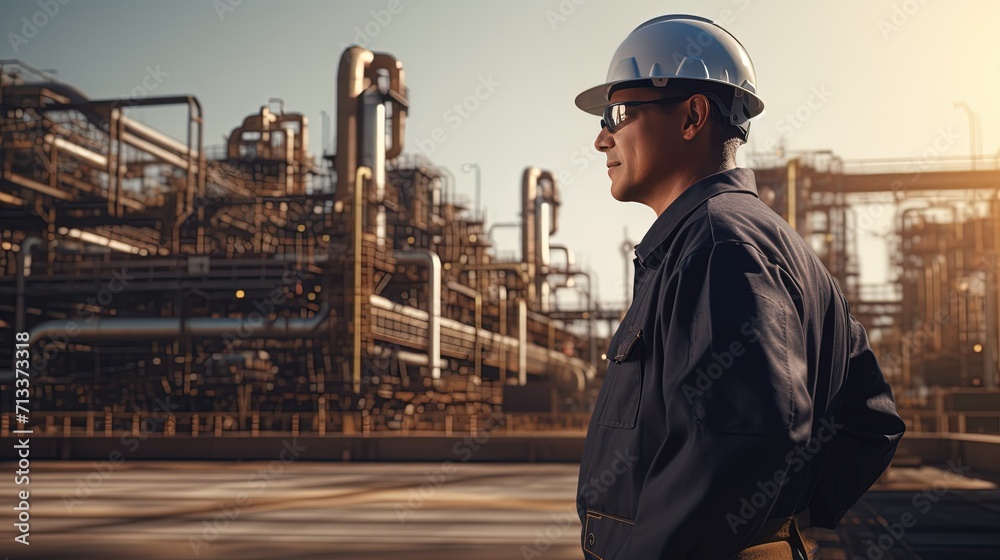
(613, 116)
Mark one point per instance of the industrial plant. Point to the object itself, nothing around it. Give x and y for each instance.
(262, 288)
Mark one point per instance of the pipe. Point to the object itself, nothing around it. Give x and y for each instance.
(478, 356)
(502, 294)
(569, 262)
(373, 154)
(350, 84)
(534, 237)
(23, 270)
(362, 174)
(358, 68)
(397, 93)
(529, 192)
(429, 258)
(76, 149)
(135, 327)
(522, 342)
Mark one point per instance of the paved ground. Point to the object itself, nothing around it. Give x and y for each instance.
(257, 510)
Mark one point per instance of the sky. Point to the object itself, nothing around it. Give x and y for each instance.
(863, 78)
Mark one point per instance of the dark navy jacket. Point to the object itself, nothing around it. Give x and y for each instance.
(739, 388)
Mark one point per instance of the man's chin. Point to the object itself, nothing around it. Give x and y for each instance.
(621, 194)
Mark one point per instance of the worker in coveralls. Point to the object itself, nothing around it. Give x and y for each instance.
(742, 401)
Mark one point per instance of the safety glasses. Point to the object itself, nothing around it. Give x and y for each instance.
(616, 113)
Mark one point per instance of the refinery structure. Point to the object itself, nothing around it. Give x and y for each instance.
(265, 288)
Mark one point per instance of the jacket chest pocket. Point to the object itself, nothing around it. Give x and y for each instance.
(618, 403)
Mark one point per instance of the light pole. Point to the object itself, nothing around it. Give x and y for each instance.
(467, 167)
(973, 128)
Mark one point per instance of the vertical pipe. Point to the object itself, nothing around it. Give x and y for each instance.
(790, 193)
(350, 83)
(542, 251)
(373, 153)
(529, 192)
(433, 262)
(363, 173)
(522, 342)
(503, 334)
(479, 339)
(990, 372)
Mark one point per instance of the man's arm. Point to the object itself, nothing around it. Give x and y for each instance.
(736, 401)
(863, 448)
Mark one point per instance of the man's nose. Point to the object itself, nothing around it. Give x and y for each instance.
(604, 141)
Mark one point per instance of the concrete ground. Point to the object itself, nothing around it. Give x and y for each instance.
(312, 510)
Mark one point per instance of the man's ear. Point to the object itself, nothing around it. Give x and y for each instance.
(696, 116)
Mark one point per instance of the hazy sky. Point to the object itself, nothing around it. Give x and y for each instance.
(873, 79)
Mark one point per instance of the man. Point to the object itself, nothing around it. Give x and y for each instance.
(742, 401)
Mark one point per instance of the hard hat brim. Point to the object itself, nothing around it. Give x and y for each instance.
(595, 99)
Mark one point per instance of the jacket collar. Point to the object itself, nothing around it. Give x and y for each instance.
(651, 250)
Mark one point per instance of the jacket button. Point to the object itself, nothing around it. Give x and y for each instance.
(590, 539)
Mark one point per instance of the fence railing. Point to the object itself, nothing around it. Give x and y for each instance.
(264, 424)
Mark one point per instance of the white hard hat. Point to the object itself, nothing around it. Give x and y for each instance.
(690, 48)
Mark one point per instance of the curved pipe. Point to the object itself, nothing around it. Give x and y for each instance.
(350, 84)
(358, 66)
(569, 257)
(433, 262)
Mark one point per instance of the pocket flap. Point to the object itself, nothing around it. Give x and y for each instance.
(632, 336)
(605, 535)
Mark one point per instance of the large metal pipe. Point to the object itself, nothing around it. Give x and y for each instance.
(522, 342)
(174, 327)
(433, 262)
(357, 72)
(373, 154)
(362, 173)
(539, 220)
(128, 327)
(397, 93)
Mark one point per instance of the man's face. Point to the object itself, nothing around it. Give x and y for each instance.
(644, 148)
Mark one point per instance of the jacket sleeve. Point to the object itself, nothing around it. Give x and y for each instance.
(869, 429)
(736, 404)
